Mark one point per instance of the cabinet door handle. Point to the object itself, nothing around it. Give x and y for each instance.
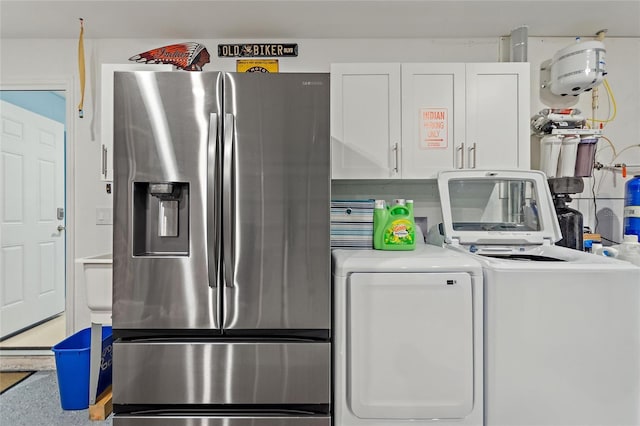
(472, 149)
(104, 161)
(395, 150)
(460, 165)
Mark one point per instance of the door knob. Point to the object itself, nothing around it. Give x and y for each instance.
(61, 228)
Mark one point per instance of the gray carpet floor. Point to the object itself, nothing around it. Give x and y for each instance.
(36, 402)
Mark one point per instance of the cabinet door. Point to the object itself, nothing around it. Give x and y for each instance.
(106, 110)
(433, 117)
(497, 116)
(410, 345)
(365, 121)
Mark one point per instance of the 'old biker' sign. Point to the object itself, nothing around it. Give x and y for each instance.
(257, 50)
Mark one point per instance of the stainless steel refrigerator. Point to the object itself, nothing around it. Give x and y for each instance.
(221, 283)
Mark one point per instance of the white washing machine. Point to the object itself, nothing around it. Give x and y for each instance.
(561, 327)
(407, 338)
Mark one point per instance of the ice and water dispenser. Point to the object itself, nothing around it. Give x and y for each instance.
(160, 219)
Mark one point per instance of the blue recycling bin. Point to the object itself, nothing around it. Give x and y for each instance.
(72, 365)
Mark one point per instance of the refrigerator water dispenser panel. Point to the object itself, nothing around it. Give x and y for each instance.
(160, 219)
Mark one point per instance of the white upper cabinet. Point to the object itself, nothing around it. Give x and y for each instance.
(433, 116)
(365, 121)
(448, 116)
(106, 110)
(497, 119)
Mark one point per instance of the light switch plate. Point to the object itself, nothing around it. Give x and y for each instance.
(104, 216)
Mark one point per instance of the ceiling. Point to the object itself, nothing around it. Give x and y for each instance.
(299, 19)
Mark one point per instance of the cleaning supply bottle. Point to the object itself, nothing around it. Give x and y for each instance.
(394, 227)
(629, 250)
(380, 214)
(598, 248)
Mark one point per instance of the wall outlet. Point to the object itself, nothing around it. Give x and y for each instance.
(104, 216)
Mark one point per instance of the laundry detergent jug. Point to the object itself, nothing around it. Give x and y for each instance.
(394, 226)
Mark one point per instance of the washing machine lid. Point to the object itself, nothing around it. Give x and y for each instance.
(497, 207)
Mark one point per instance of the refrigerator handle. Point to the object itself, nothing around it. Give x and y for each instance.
(213, 206)
(228, 200)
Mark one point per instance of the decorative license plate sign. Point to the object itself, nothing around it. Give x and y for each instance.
(257, 50)
(434, 129)
(261, 65)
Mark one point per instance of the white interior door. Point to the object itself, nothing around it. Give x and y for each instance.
(32, 237)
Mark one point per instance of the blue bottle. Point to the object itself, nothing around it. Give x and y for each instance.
(632, 207)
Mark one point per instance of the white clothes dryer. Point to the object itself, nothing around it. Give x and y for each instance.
(561, 327)
(407, 338)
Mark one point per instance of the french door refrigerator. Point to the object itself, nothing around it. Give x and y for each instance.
(221, 283)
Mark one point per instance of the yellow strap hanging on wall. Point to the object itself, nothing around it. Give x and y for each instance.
(81, 68)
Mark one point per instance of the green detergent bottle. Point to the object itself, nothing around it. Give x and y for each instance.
(394, 227)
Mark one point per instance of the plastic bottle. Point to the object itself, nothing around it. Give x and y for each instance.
(597, 248)
(629, 250)
(588, 246)
(600, 250)
(409, 205)
(632, 207)
(394, 227)
(380, 215)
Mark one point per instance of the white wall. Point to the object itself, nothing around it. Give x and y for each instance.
(27, 60)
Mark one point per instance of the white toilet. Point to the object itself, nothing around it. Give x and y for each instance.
(98, 272)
